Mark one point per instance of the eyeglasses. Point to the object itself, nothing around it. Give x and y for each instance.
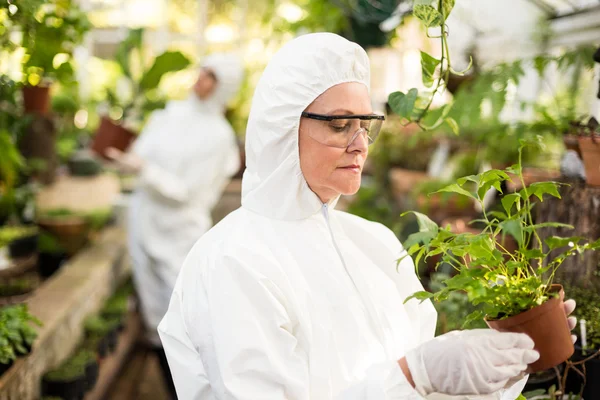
(342, 130)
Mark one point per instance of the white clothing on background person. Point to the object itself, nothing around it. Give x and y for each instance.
(288, 298)
(189, 154)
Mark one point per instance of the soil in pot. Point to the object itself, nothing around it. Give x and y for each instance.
(17, 287)
(23, 247)
(110, 134)
(36, 99)
(592, 373)
(548, 327)
(49, 263)
(590, 150)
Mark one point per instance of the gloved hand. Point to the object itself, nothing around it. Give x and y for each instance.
(127, 162)
(472, 362)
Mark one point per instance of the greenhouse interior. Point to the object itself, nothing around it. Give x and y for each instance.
(299, 199)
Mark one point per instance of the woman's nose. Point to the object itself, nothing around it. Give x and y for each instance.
(360, 142)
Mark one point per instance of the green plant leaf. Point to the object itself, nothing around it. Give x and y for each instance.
(532, 254)
(453, 125)
(513, 227)
(422, 296)
(430, 17)
(539, 189)
(169, 61)
(490, 178)
(509, 200)
(418, 238)
(133, 41)
(556, 242)
(425, 223)
(454, 188)
(403, 104)
(447, 6)
(428, 66)
(531, 228)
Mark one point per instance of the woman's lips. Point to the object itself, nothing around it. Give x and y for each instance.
(351, 168)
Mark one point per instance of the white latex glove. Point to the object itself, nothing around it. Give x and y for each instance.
(127, 162)
(473, 362)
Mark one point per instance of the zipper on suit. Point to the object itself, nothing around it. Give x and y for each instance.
(325, 210)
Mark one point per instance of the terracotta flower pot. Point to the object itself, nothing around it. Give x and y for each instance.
(71, 232)
(572, 143)
(590, 149)
(36, 99)
(110, 134)
(548, 327)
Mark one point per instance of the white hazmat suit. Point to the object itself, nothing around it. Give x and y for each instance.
(190, 153)
(288, 298)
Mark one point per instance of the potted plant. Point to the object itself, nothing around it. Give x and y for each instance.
(116, 309)
(69, 228)
(47, 29)
(84, 163)
(68, 381)
(116, 133)
(15, 290)
(16, 333)
(441, 205)
(513, 290)
(88, 360)
(51, 255)
(106, 329)
(21, 240)
(589, 145)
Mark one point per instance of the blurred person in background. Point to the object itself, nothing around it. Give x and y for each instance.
(184, 158)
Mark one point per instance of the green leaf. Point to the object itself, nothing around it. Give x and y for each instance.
(453, 125)
(533, 253)
(540, 63)
(428, 66)
(430, 17)
(169, 61)
(513, 227)
(490, 178)
(548, 225)
(454, 188)
(556, 242)
(539, 189)
(133, 41)
(509, 200)
(425, 223)
(403, 104)
(422, 296)
(447, 6)
(418, 238)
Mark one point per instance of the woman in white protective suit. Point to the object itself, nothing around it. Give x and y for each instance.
(185, 157)
(287, 298)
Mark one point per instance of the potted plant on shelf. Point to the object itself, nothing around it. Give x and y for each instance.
(103, 328)
(513, 290)
(47, 30)
(16, 334)
(144, 92)
(21, 240)
(17, 290)
(69, 228)
(51, 255)
(68, 381)
(589, 146)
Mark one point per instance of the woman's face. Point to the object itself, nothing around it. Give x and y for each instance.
(331, 171)
(205, 84)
